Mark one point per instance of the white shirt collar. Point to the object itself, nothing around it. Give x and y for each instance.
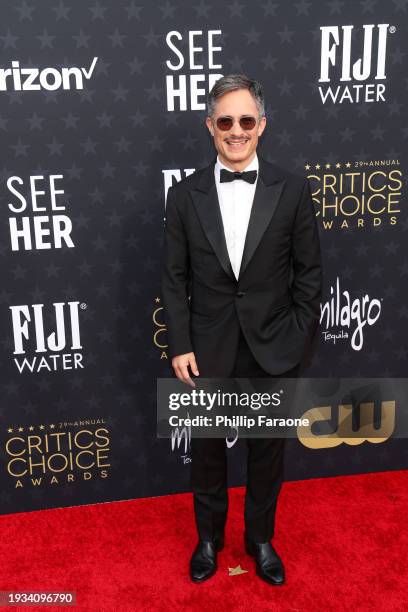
(253, 165)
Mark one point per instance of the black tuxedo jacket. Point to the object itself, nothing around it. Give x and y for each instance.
(276, 299)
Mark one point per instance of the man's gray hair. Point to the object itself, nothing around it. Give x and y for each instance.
(232, 82)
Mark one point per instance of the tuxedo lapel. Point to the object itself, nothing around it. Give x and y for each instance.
(205, 198)
(267, 193)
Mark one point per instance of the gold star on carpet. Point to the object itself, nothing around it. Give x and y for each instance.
(235, 571)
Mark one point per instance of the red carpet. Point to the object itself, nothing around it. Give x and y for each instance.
(343, 540)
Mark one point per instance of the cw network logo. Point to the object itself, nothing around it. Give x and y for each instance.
(35, 79)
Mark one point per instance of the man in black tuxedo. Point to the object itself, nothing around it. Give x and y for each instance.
(241, 287)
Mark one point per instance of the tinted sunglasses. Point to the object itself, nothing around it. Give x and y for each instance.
(226, 123)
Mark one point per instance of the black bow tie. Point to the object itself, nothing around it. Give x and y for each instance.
(226, 176)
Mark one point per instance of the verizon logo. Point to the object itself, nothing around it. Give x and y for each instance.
(35, 79)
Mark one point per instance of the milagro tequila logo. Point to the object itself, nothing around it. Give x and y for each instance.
(180, 438)
(349, 316)
(35, 349)
(338, 47)
(35, 79)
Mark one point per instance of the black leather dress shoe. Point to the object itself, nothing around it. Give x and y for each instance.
(203, 563)
(269, 565)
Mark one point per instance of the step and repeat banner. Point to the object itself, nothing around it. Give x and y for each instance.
(102, 109)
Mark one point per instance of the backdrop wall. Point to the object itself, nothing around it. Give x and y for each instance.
(102, 108)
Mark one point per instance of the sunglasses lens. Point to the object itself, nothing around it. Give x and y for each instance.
(224, 123)
(247, 123)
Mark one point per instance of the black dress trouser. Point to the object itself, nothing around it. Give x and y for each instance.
(264, 471)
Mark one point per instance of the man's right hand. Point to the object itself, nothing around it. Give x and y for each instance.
(180, 365)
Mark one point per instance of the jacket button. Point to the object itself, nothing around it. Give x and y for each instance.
(240, 293)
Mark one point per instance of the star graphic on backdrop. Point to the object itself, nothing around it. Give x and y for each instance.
(301, 60)
(9, 40)
(252, 36)
(133, 11)
(368, 6)
(105, 120)
(46, 40)
(61, 11)
(236, 63)
(270, 8)
(35, 122)
(117, 39)
(98, 11)
(74, 172)
(202, 9)
(25, 11)
(286, 35)
(151, 38)
(269, 62)
(82, 39)
(336, 6)
(168, 10)
(302, 7)
(154, 92)
(136, 66)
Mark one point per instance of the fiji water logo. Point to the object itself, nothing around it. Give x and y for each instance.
(353, 70)
(47, 337)
(348, 316)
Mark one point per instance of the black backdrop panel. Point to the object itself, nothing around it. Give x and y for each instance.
(102, 108)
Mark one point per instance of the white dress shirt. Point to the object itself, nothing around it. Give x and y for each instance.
(235, 199)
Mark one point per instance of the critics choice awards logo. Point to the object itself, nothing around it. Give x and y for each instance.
(57, 453)
(356, 195)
